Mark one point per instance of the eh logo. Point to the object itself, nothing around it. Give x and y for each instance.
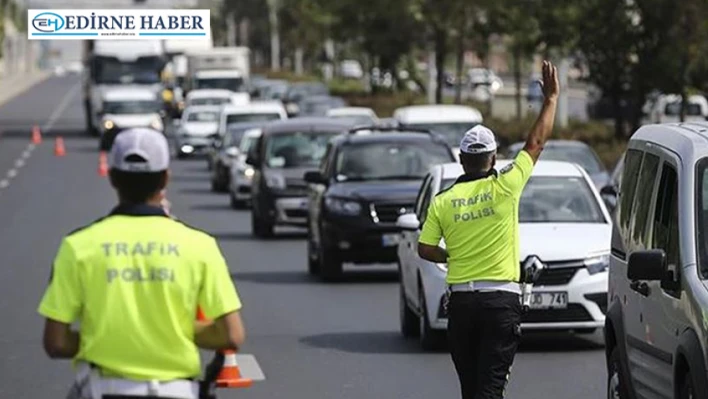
(48, 22)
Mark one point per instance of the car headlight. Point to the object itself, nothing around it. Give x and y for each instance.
(597, 264)
(343, 207)
(275, 181)
(156, 124)
(108, 124)
(249, 172)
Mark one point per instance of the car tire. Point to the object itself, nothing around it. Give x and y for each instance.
(236, 203)
(409, 320)
(430, 339)
(687, 389)
(616, 381)
(259, 227)
(329, 263)
(313, 263)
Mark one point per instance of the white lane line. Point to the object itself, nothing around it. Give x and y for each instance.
(53, 118)
(59, 110)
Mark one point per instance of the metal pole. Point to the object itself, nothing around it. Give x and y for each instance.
(274, 35)
(432, 76)
(562, 115)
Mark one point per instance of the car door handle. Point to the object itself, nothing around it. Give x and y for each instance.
(640, 287)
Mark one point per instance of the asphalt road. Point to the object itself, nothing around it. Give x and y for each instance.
(311, 339)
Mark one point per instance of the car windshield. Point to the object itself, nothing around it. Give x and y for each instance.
(209, 101)
(246, 143)
(583, 156)
(451, 132)
(559, 199)
(131, 107)
(233, 84)
(308, 90)
(297, 149)
(235, 134)
(389, 160)
(702, 214)
(674, 109)
(203, 116)
(111, 71)
(259, 117)
(320, 108)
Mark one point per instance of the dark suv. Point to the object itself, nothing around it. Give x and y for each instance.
(364, 183)
(284, 152)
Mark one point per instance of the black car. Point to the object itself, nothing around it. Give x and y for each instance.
(298, 92)
(284, 152)
(225, 152)
(365, 182)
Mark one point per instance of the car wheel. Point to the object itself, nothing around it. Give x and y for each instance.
(616, 381)
(236, 203)
(259, 227)
(687, 390)
(313, 264)
(329, 263)
(430, 339)
(408, 318)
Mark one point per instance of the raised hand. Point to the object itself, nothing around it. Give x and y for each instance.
(549, 83)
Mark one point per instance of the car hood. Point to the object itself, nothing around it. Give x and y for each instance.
(200, 128)
(387, 190)
(564, 241)
(136, 120)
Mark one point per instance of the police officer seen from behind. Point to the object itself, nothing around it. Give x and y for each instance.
(478, 219)
(133, 280)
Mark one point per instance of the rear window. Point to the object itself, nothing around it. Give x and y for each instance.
(260, 117)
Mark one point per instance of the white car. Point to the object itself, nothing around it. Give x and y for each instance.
(127, 107)
(563, 222)
(360, 115)
(449, 121)
(257, 111)
(196, 129)
(215, 97)
(242, 173)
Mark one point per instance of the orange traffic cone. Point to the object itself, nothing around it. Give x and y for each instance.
(59, 149)
(36, 135)
(102, 164)
(230, 375)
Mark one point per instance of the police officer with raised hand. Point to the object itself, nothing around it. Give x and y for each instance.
(133, 280)
(478, 219)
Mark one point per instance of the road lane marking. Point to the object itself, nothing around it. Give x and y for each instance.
(53, 118)
(59, 110)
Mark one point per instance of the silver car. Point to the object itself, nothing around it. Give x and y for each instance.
(196, 130)
(656, 328)
(242, 173)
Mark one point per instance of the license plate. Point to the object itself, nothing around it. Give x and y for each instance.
(549, 300)
(389, 240)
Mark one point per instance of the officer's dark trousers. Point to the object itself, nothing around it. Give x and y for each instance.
(483, 334)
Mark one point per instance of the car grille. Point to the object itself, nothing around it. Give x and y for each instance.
(296, 213)
(574, 312)
(389, 212)
(296, 187)
(559, 273)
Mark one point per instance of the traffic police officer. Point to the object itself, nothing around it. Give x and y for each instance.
(478, 219)
(134, 280)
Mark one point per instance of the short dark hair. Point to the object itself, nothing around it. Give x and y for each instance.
(137, 187)
(477, 161)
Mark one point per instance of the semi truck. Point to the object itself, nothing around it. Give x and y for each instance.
(112, 63)
(219, 68)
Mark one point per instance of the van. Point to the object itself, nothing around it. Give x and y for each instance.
(656, 326)
(449, 121)
(257, 111)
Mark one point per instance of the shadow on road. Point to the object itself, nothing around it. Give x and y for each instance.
(364, 342)
(302, 277)
(189, 178)
(559, 342)
(196, 190)
(247, 236)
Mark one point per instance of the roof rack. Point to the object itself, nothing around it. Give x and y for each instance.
(390, 129)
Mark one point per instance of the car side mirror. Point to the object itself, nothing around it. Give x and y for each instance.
(408, 221)
(647, 265)
(610, 190)
(314, 177)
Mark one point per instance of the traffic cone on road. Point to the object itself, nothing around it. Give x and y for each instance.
(36, 135)
(102, 164)
(59, 149)
(230, 375)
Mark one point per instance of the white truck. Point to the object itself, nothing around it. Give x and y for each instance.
(219, 68)
(177, 68)
(113, 63)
